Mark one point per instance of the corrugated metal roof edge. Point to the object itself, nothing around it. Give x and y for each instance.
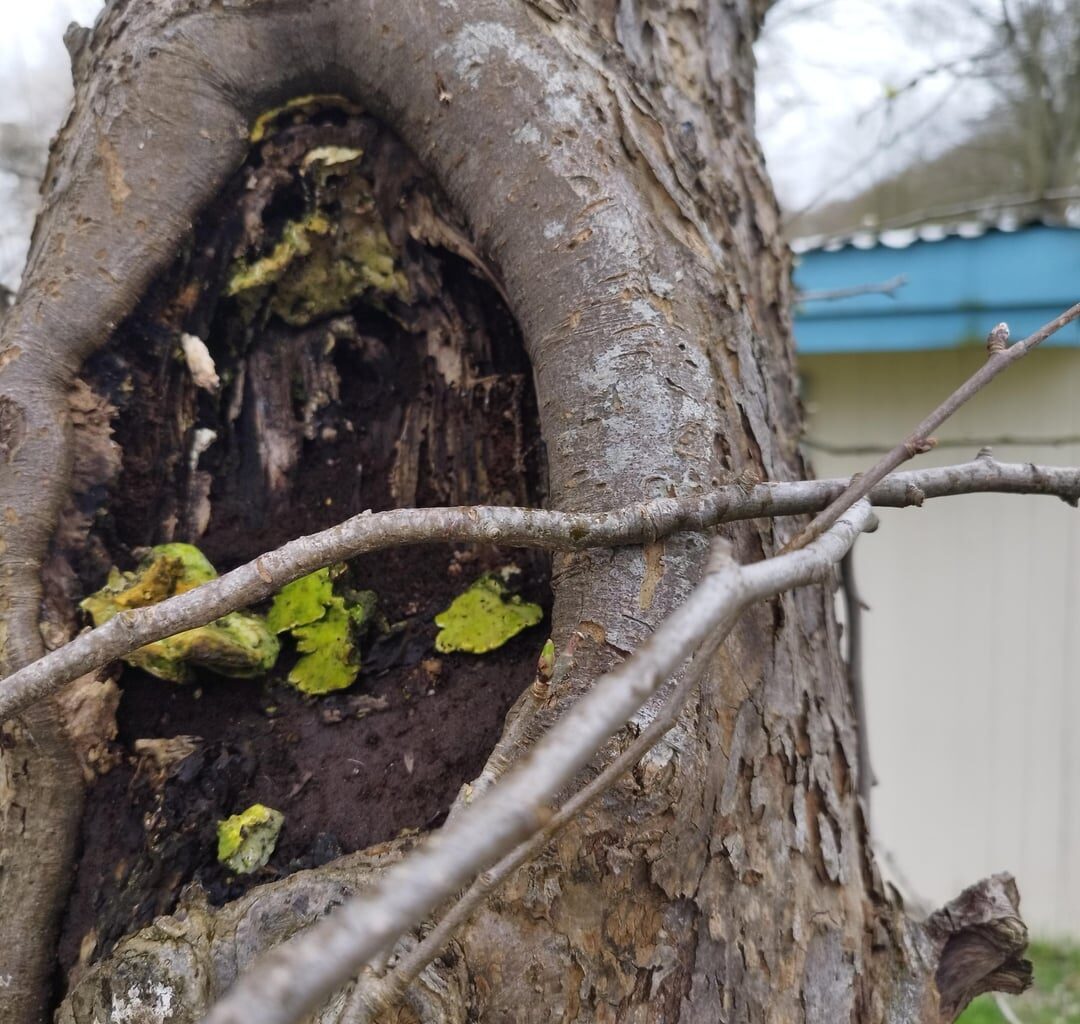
(971, 223)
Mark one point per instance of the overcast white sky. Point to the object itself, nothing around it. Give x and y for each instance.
(28, 24)
(823, 78)
(33, 61)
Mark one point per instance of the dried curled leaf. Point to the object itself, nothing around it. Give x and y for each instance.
(247, 840)
(237, 645)
(484, 617)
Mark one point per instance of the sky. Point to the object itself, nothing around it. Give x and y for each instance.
(32, 48)
(825, 68)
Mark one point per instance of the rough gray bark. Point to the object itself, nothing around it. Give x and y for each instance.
(602, 154)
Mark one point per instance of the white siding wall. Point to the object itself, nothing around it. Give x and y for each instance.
(973, 641)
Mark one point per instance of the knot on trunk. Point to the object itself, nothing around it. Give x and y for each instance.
(979, 938)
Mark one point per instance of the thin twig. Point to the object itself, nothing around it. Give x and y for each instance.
(888, 288)
(919, 441)
(1005, 1009)
(371, 997)
(1001, 441)
(297, 976)
(853, 611)
(514, 527)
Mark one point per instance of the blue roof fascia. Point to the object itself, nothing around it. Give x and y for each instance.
(956, 290)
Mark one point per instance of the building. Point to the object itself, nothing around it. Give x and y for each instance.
(972, 660)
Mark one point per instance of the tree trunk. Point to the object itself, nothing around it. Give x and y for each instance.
(601, 161)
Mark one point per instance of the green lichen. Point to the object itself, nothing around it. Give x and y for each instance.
(298, 108)
(247, 840)
(300, 602)
(169, 569)
(296, 240)
(358, 261)
(237, 645)
(325, 626)
(325, 262)
(330, 659)
(362, 606)
(484, 617)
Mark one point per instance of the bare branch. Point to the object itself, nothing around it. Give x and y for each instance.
(919, 440)
(853, 610)
(297, 976)
(370, 998)
(1005, 1009)
(1001, 441)
(514, 527)
(980, 941)
(889, 287)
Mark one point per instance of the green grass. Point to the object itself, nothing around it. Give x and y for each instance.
(1053, 999)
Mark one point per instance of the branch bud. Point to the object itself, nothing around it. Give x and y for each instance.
(920, 446)
(545, 669)
(997, 339)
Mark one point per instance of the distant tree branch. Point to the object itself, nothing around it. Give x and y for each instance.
(853, 637)
(889, 288)
(1001, 441)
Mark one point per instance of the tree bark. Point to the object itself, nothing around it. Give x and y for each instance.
(602, 156)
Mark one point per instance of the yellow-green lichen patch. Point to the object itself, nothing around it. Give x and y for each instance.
(358, 260)
(237, 645)
(295, 241)
(336, 255)
(325, 626)
(330, 659)
(298, 108)
(195, 567)
(484, 618)
(302, 601)
(247, 840)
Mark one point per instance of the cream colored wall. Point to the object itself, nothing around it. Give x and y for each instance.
(973, 640)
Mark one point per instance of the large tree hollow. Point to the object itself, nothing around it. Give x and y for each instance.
(364, 360)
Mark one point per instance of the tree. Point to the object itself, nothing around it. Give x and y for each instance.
(1005, 91)
(1029, 63)
(596, 168)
